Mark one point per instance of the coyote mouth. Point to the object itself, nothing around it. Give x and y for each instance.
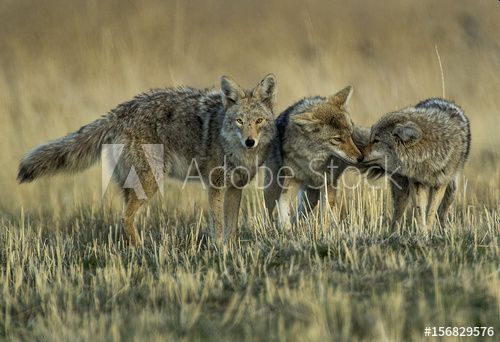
(346, 159)
(372, 161)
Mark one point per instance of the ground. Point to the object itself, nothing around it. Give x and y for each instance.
(72, 277)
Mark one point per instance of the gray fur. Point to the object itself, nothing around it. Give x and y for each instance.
(428, 146)
(74, 152)
(193, 125)
(408, 133)
(313, 134)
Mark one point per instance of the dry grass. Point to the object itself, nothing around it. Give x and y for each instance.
(64, 273)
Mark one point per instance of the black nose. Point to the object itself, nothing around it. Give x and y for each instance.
(360, 158)
(249, 142)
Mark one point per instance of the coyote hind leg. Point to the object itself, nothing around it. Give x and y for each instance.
(139, 172)
(135, 198)
(449, 196)
(132, 205)
(400, 190)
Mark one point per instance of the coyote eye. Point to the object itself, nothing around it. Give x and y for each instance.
(337, 139)
(239, 122)
(259, 121)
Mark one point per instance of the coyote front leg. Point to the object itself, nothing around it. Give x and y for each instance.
(308, 200)
(272, 188)
(436, 197)
(216, 212)
(400, 191)
(232, 202)
(419, 194)
(290, 190)
(331, 194)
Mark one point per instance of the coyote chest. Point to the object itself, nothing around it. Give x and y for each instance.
(310, 171)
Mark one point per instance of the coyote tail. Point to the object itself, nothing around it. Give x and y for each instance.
(74, 152)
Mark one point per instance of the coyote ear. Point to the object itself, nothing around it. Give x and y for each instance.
(408, 133)
(341, 98)
(305, 121)
(266, 90)
(231, 91)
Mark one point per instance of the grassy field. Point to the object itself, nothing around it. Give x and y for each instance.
(64, 271)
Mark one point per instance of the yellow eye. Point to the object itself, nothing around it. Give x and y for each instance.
(259, 121)
(239, 122)
(337, 139)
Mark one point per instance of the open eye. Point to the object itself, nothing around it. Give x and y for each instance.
(239, 122)
(259, 121)
(337, 139)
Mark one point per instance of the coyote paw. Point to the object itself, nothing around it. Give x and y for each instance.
(286, 226)
(133, 240)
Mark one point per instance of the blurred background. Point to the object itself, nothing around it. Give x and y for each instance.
(64, 63)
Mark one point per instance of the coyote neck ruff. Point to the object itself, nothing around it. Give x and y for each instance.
(220, 137)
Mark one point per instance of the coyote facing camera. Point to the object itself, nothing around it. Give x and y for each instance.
(225, 132)
(424, 148)
(313, 134)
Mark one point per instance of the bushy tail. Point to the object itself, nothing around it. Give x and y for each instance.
(74, 152)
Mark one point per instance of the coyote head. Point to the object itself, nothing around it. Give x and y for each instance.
(393, 139)
(328, 126)
(249, 118)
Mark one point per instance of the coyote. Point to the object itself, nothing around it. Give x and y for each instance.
(424, 148)
(310, 196)
(313, 135)
(226, 134)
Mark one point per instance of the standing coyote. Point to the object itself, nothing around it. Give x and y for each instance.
(310, 133)
(423, 148)
(226, 134)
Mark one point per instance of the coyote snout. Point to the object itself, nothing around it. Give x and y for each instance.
(344, 148)
(249, 132)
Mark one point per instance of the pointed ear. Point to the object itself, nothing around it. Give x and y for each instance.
(342, 97)
(265, 91)
(231, 91)
(408, 133)
(305, 121)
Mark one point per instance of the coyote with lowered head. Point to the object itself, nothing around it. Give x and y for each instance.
(227, 134)
(313, 135)
(424, 148)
